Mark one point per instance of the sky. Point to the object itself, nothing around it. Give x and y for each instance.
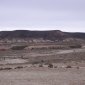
(64, 15)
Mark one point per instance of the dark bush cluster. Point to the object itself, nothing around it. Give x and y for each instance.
(18, 47)
(68, 66)
(19, 67)
(7, 68)
(40, 65)
(50, 65)
(76, 46)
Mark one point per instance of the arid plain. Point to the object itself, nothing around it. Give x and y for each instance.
(39, 61)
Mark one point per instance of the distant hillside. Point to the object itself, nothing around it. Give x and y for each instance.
(49, 35)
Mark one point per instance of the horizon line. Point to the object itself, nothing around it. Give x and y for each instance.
(39, 30)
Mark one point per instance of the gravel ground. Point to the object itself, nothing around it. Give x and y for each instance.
(43, 76)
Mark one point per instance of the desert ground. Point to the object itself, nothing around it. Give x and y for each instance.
(43, 76)
(42, 67)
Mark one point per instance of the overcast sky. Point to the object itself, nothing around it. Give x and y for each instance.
(65, 15)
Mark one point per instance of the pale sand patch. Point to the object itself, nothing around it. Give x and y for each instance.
(13, 61)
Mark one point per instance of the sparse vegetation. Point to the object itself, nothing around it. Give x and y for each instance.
(77, 67)
(41, 65)
(50, 65)
(55, 66)
(18, 47)
(18, 67)
(35, 62)
(75, 46)
(31, 58)
(68, 66)
(6, 68)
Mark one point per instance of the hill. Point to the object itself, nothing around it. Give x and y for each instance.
(46, 35)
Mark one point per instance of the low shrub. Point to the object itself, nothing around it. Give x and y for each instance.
(68, 66)
(55, 66)
(40, 65)
(7, 68)
(76, 46)
(50, 65)
(19, 67)
(18, 47)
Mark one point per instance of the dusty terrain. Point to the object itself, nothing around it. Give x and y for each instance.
(25, 67)
(42, 58)
(48, 63)
(43, 76)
